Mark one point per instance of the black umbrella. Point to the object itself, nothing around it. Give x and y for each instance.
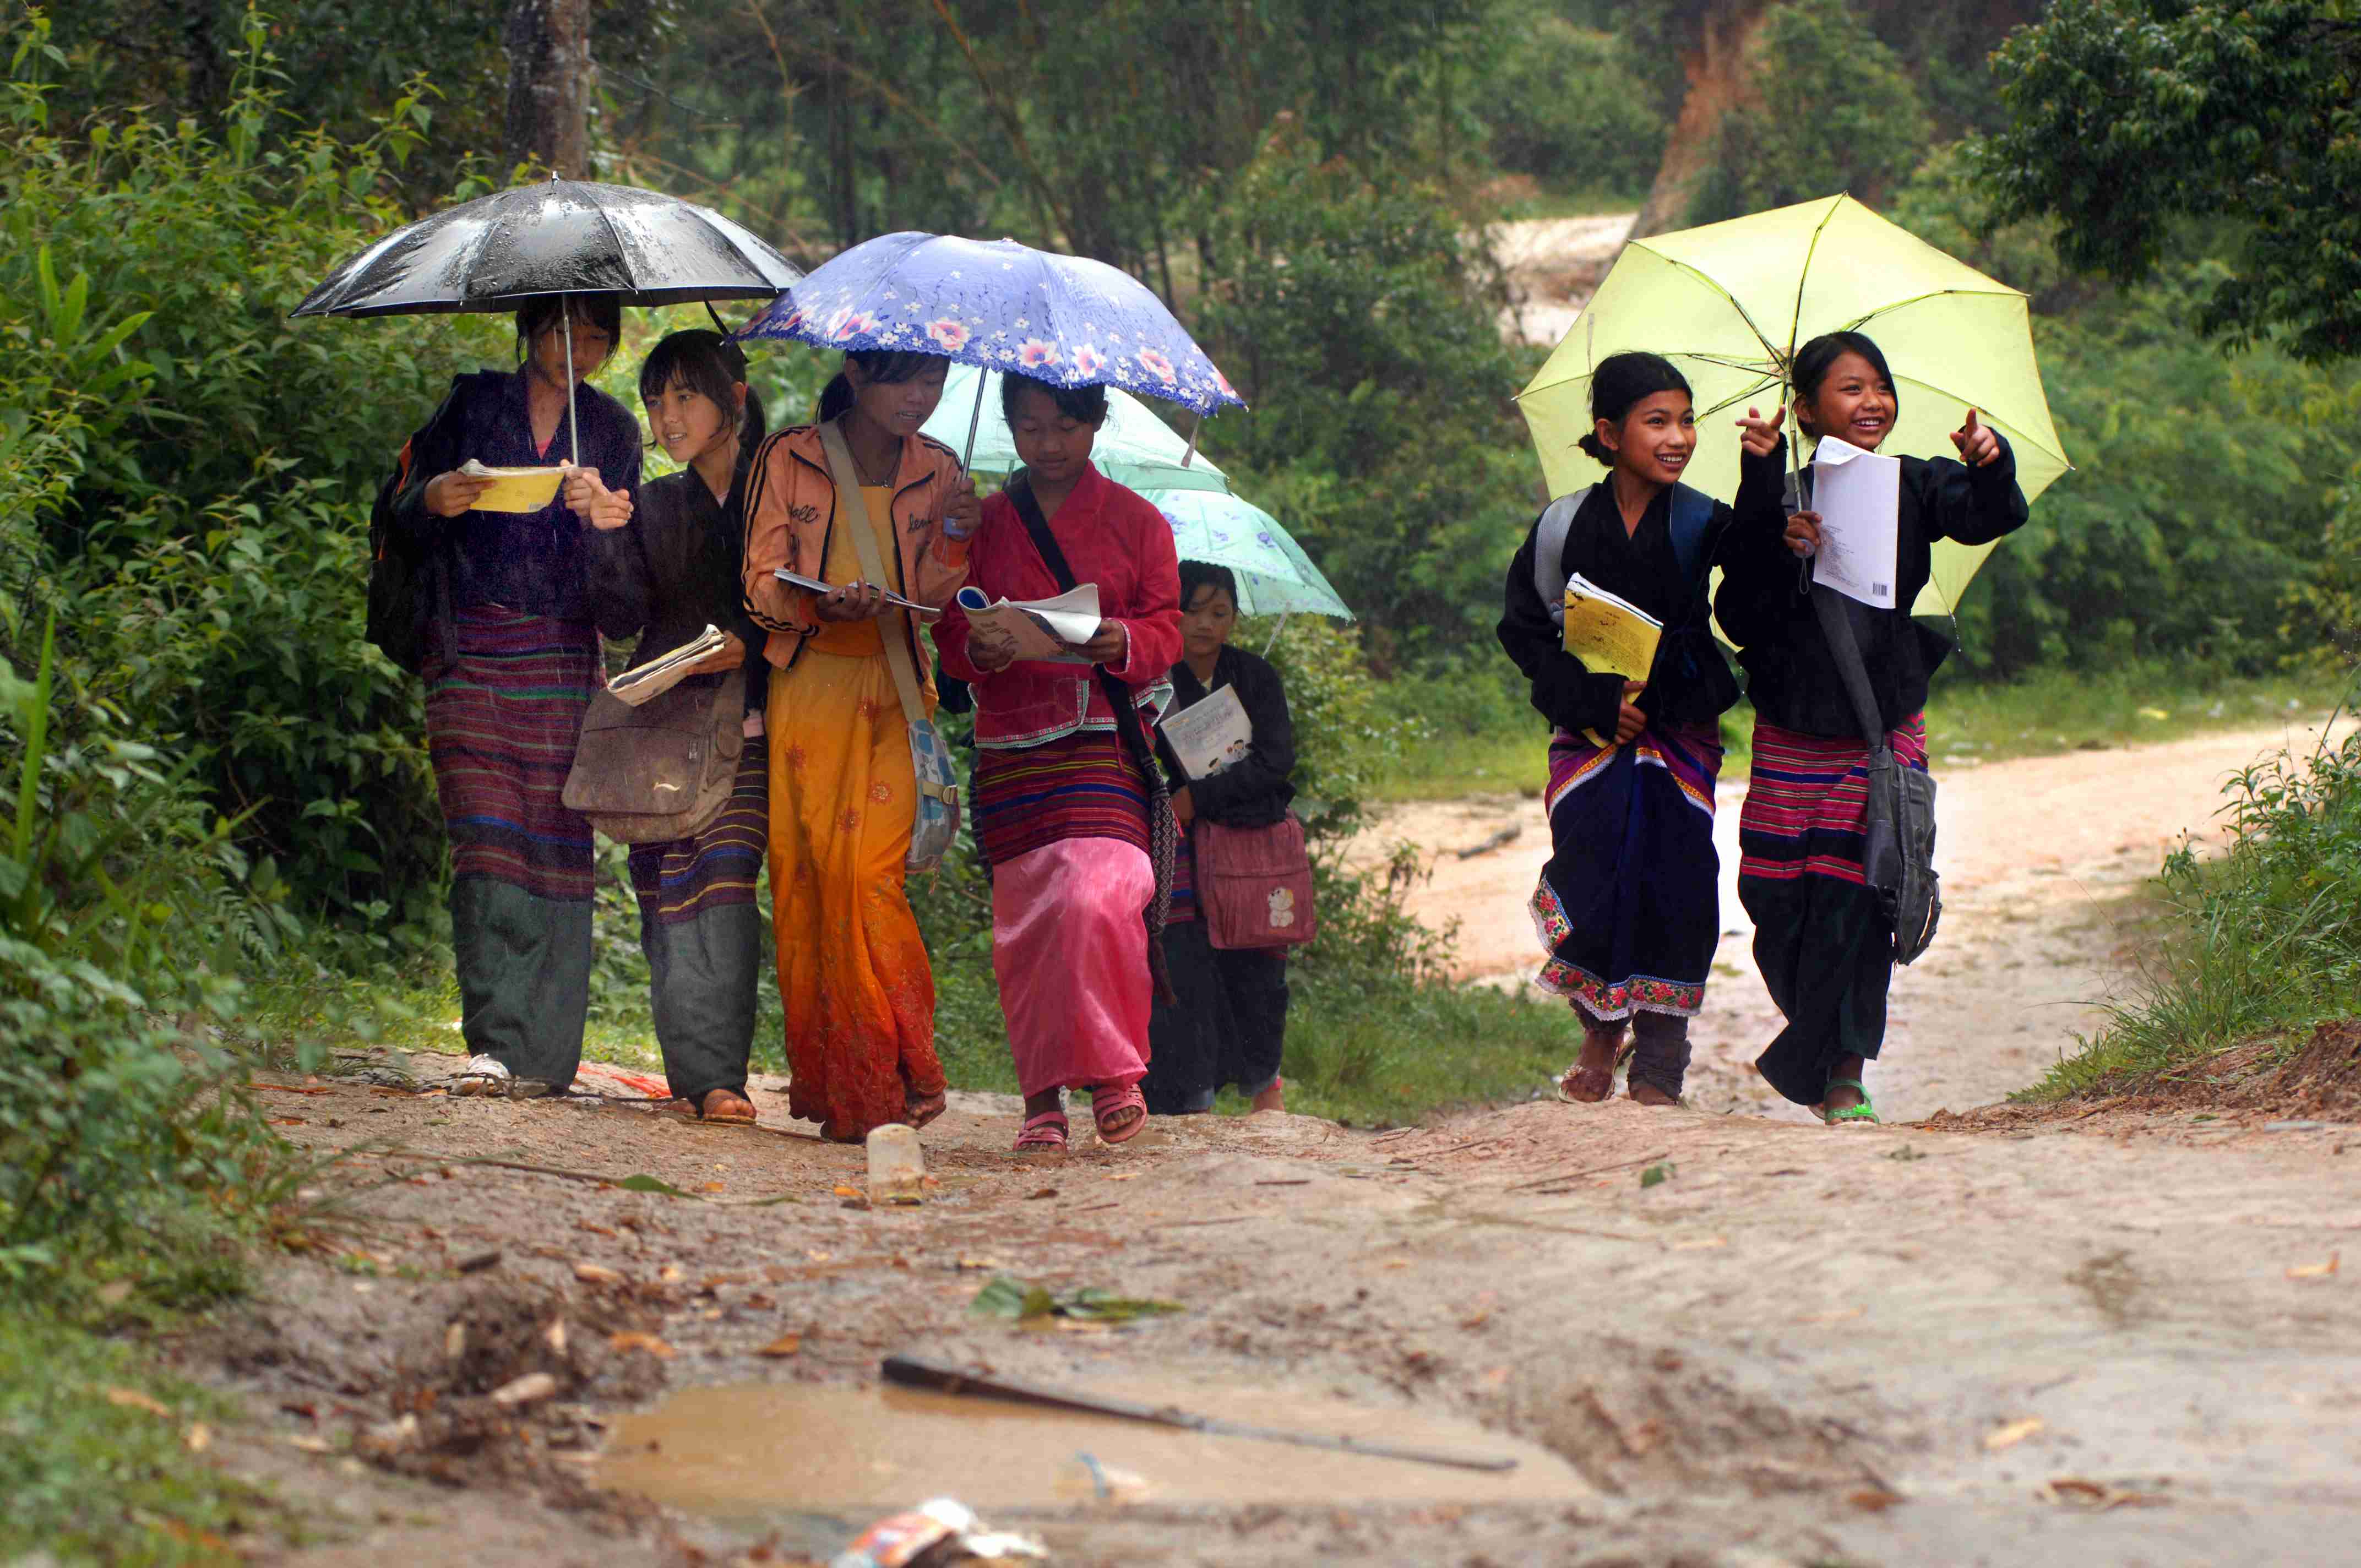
(567, 237)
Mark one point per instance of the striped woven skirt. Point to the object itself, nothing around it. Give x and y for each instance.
(680, 881)
(500, 731)
(1627, 907)
(1821, 939)
(1077, 786)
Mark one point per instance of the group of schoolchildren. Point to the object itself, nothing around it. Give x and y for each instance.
(1086, 838)
(1628, 905)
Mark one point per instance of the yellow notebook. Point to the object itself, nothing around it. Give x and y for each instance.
(1608, 633)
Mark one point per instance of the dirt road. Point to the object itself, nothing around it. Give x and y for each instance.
(1708, 1338)
(1552, 267)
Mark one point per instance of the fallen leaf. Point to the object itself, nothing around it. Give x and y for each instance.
(713, 1186)
(776, 1274)
(1656, 1175)
(990, 1263)
(758, 1302)
(785, 1344)
(2314, 1270)
(1700, 1243)
(2012, 1434)
(594, 1230)
(312, 1445)
(1497, 1376)
(1124, 1176)
(2066, 1488)
(1874, 1499)
(289, 1089)
(475, 1263)
(1042, 1192)
(553, 1336)
(843, 1191)
(287, 1121)
(670, 1273)
(455, 1342)
(1845, 1316)
(595, 1273)
(632, 1339)
(525, 1390)
(133, 1400)
(815, 1254)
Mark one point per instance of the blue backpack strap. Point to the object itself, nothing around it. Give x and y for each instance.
(1691, 529)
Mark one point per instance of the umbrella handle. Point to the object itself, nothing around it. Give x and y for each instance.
(565, 325)
(1277, 633)
(1194, 420)
(973, 419)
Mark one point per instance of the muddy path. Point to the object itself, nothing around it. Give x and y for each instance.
(1711, 1337)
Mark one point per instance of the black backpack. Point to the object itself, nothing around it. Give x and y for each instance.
(410, 589)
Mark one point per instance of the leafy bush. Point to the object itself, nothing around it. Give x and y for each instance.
(1559, 106)
(1828, 107)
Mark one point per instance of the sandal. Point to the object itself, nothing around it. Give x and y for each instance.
(725, 1108)
(486, 1075)
(1109, 1103)
(1864, 1111)
(1046, 1131)
(924, 1108)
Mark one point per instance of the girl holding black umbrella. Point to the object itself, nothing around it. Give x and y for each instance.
(510, 665)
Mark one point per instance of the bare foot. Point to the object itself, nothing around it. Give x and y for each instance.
(923, 1108)
(1274, 1098)
(727, 1106)
(1647, 1093)
(1592, 1077)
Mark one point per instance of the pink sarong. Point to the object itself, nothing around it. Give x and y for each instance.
(1070, 946)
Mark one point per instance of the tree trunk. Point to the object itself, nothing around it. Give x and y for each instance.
(551, 79)
(1715, 67)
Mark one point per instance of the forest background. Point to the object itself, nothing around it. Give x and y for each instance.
(224, 848)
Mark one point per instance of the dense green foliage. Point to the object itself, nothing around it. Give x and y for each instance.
(2263, 942)
(1559, 106)
(2130, 117)
(1828, 106)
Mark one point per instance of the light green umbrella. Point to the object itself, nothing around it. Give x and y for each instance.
(1135, 448)
(1729, 303)
(1275, 577)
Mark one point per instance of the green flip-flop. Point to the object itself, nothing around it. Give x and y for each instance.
(1864, 1111)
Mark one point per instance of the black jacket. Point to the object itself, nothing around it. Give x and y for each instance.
(1765, 606)
(673, 569)
(1691, 683)
(532, 562)
(1256, 791)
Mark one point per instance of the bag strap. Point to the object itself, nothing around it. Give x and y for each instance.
(1692, 518)
(1837, 626)
(1549, 551)
(1163, 831)
(853, 507)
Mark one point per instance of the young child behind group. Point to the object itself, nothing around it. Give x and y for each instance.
(1627, 907)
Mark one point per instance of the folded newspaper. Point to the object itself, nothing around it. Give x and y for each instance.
(1047, 630)
(1608, 633)
(660, 674)
(1211, 735)
(514, 489)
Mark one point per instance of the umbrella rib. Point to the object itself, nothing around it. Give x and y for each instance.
(622, 255)
(1935, 294)
(1803, 278)
(1708, 281)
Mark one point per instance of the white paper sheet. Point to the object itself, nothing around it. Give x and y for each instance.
(1046, 629)
(1211, 735)
(1857, 495)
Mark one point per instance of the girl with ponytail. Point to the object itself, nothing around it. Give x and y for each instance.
(1627, 908)
(663, 563)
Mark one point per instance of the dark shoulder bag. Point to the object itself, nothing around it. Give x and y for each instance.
(409, 588)
(1163, 831)
(1898, 833)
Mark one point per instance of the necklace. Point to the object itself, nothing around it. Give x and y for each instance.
(893, 465)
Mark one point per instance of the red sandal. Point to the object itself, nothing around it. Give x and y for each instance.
(1108, 1103)
(1045, 1132)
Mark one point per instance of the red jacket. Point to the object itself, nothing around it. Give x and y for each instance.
(1111, 537)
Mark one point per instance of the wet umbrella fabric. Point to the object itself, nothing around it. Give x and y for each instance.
(564, 236)
(1001, 306)
(1135, 447)
(1275, 577)
(1729, 303)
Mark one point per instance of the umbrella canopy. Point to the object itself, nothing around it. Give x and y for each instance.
(1001, 306)
(564, 237)
(1729, 303)
(1275, 577)
(1133, 448)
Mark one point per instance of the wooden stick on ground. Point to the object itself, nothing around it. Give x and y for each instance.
(910, 1371)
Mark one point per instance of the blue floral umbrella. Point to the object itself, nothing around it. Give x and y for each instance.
(1275, 577)
(1002, 306)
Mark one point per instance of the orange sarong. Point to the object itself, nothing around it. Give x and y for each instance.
(853, 977)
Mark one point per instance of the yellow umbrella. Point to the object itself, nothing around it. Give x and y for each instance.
(1729, 303)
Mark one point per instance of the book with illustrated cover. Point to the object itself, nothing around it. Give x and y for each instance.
(1609, 635)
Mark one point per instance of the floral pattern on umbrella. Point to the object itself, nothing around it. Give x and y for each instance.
(1001, 306)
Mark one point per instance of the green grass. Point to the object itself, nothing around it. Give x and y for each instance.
(2255, 947)
(93, 1479)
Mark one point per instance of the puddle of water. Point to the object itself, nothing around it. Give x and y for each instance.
(810, 1447)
